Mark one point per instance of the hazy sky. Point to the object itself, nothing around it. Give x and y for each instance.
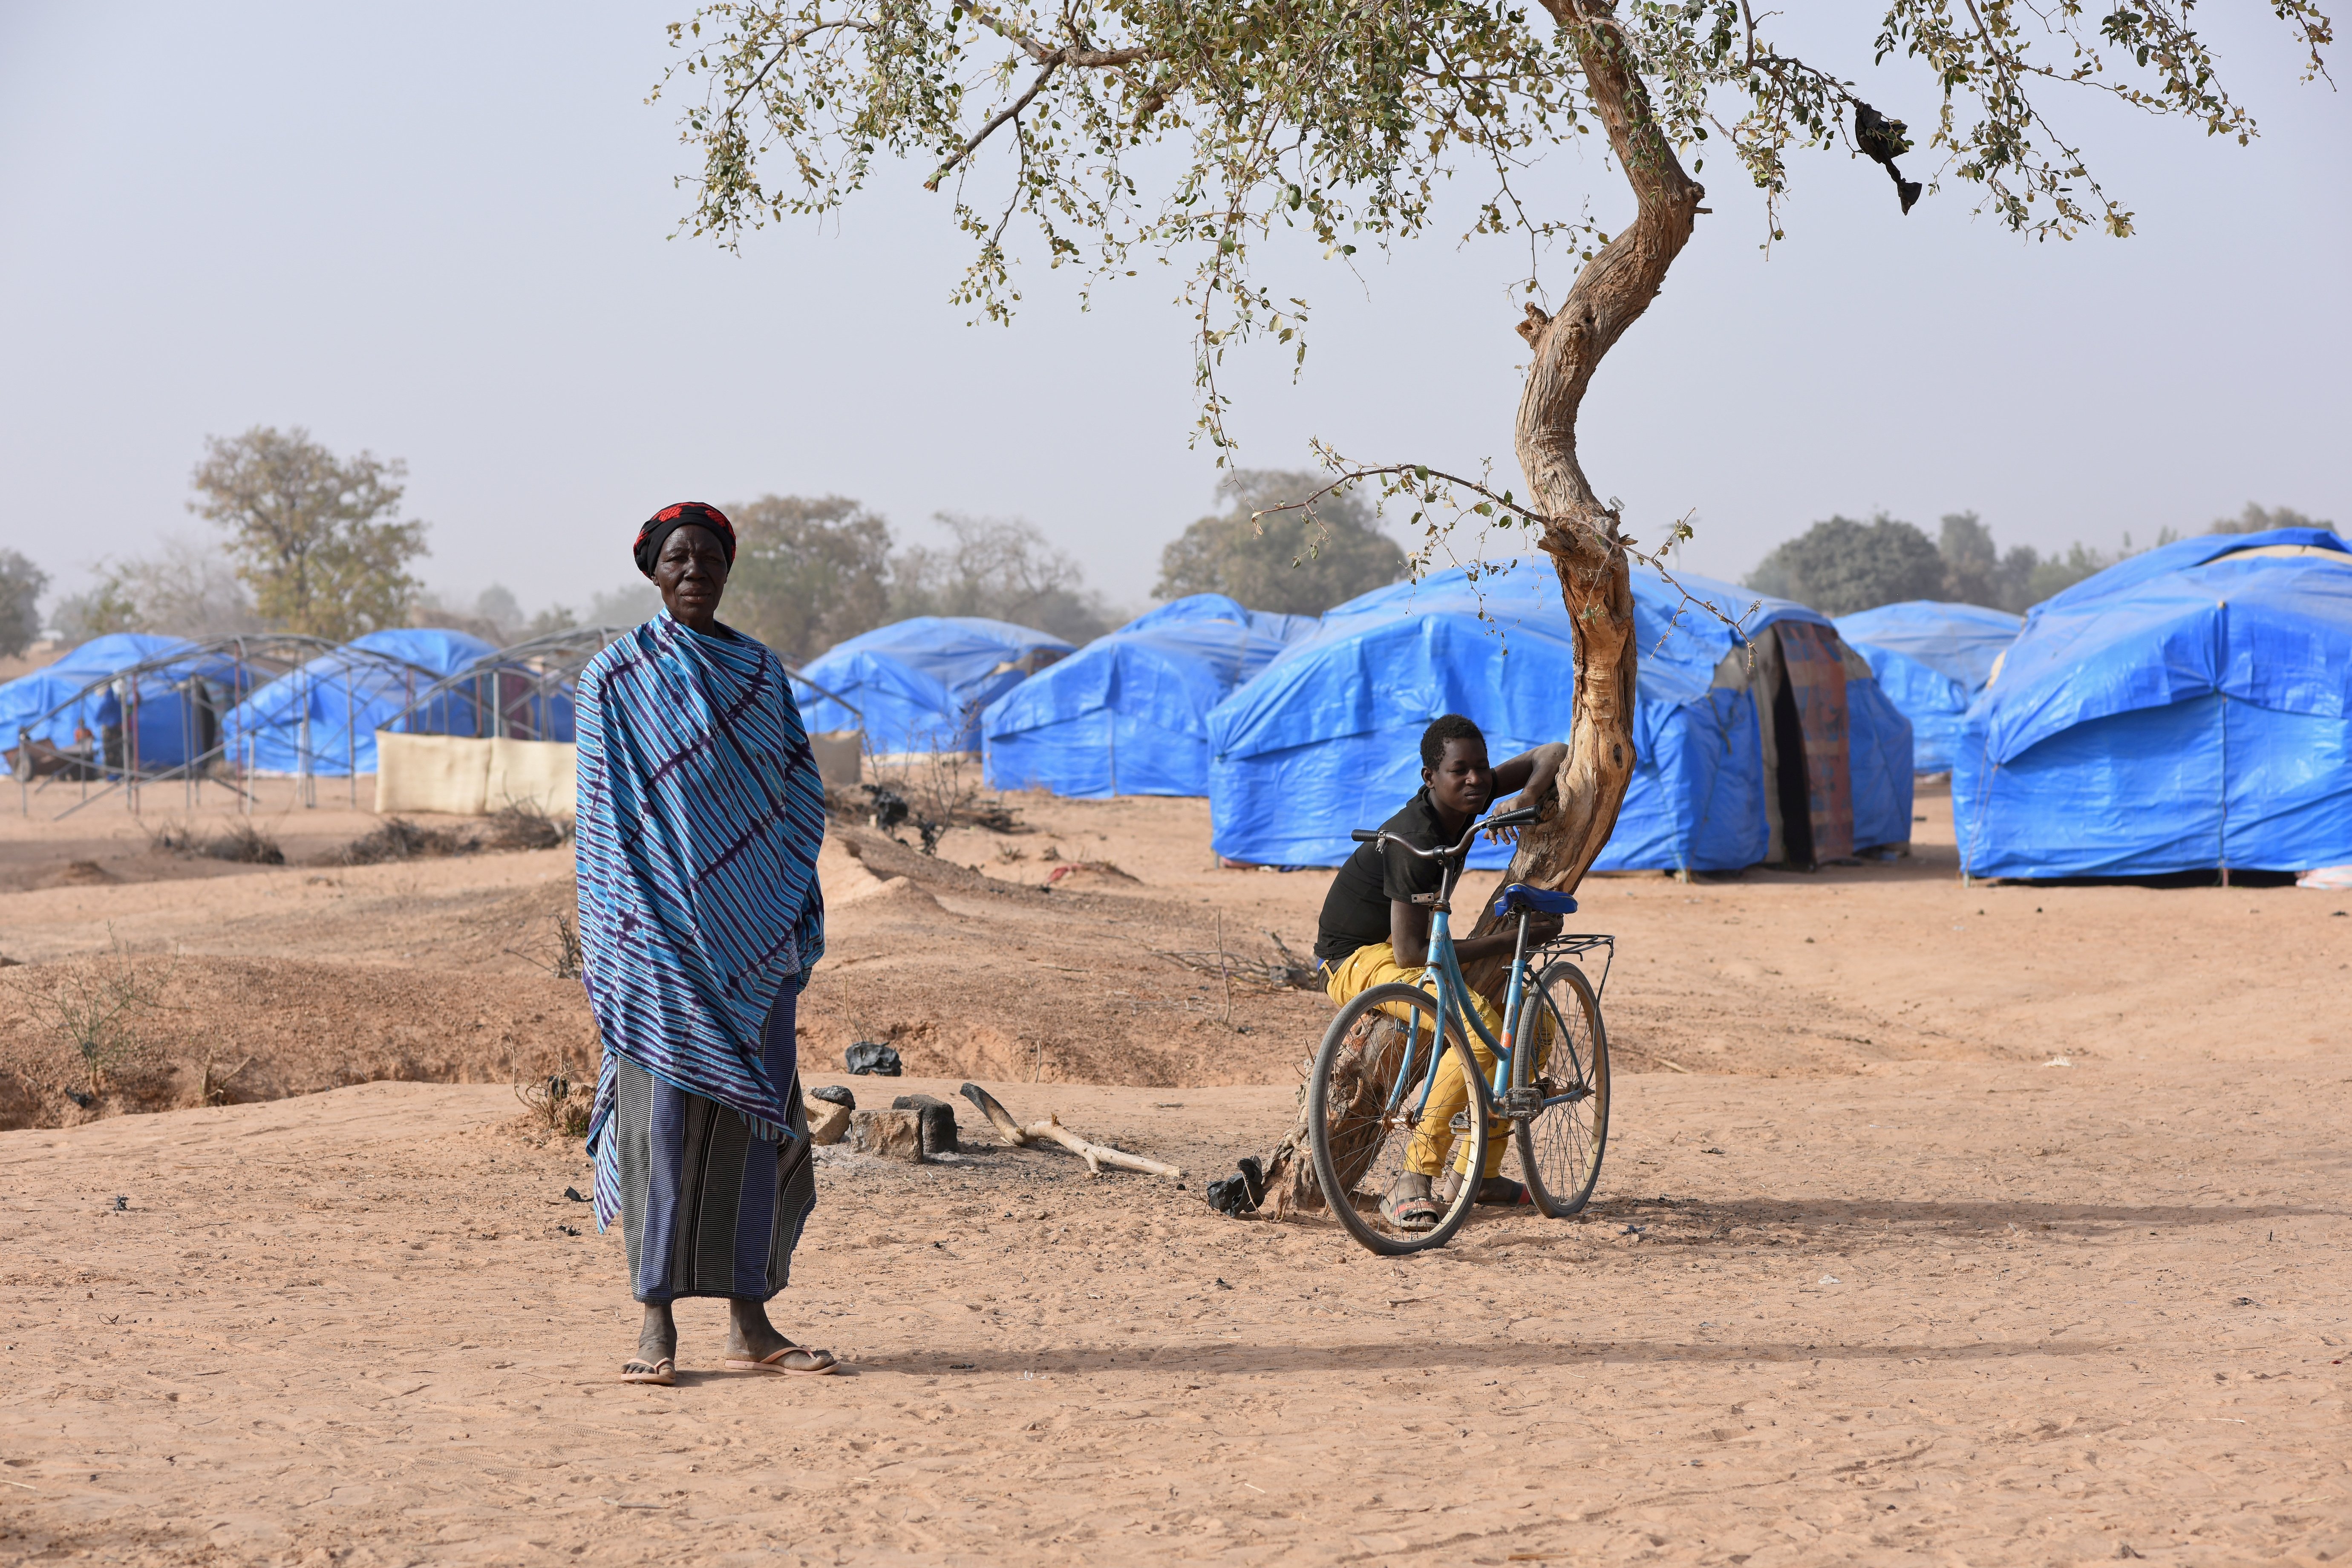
(443, 233)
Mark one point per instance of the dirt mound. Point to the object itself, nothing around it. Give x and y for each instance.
(263, 1029)
(1080, 876)
(1006, 979)
(78, 874)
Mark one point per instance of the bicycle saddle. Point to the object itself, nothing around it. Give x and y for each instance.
(1518, 897)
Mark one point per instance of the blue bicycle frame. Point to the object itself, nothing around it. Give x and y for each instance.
(1450, 985)
(1447, 968)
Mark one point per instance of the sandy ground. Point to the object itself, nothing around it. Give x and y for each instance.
(1867, 1279)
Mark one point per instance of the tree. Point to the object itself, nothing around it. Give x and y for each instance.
(1291, 563)
(1839, 566)
(313, 536)
(1001, 568)
(1977, 573)
(21, 585)
(2259, 519)
(1975, 570)
(808, 572)
(185, 590)
(625, 606)
(1337, 119)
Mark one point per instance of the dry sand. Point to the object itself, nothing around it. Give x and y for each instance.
(1866, 1279)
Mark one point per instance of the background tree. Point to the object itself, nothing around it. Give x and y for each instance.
(1839, 566)
(315, 537)
(1293, 562)
(185, 589)
(1975, 570)
(808, 572)
(21, 587)
(1003, 569)
(1337, 119)
(2258, 520)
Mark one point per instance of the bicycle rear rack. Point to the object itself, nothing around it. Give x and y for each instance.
(1577, 947)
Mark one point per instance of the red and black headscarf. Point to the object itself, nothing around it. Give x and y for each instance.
(656, 529)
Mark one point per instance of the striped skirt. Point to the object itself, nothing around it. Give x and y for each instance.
(706, 1208)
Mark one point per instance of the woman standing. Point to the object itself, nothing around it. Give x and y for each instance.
(701, 814)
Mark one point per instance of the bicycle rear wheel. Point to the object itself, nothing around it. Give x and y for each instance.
(1562, 1050)
(1364, 1099)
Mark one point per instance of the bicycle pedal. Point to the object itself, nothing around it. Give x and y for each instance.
(1460, 1122)
(1523, 1104)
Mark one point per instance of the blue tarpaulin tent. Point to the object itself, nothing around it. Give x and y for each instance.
(1129, 713)
(175, 722)
(1327, 738)
(1931, 659)
(331, 707)
(2187, 710)
(920, 684)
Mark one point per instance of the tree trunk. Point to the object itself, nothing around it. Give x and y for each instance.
(1581, 534)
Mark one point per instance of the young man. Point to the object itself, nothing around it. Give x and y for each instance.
(1372, 933)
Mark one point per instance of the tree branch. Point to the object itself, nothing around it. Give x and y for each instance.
(1009, 111)
(790, 42)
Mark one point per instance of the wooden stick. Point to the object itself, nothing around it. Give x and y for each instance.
(1097, 1156)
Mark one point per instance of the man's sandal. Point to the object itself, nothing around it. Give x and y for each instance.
(1495, 1191)
(663, 1372)
(1411, 1210)
(813, 1362)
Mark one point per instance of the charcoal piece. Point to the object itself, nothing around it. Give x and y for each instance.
(835, 1094)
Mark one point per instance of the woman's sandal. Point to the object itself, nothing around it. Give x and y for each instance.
(820, 1362)
(663, 1372)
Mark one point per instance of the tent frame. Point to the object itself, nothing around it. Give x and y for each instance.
(255, 659)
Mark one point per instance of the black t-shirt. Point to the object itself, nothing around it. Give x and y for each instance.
(1356, 910)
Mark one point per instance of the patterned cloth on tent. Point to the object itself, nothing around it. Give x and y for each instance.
(1816, 667)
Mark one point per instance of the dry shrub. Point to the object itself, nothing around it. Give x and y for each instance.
(555, 1106)
(566, 963)
(516, 825)
(397, 839)
(246, 844)
(520, 825)
(95, 1014)
(944, 789)
(241, 842)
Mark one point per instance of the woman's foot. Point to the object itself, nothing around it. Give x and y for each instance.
(657, 1358)
(754, 1345)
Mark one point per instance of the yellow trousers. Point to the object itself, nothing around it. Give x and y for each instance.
(1350, 978)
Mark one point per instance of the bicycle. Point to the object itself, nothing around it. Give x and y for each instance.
(1550, 1086)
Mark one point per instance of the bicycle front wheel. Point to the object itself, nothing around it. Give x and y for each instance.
(1562, 1052)
(1393, 1092)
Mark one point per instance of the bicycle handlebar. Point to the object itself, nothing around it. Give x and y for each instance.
(1520, 817)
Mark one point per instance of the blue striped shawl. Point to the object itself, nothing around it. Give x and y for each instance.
(701, 814)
